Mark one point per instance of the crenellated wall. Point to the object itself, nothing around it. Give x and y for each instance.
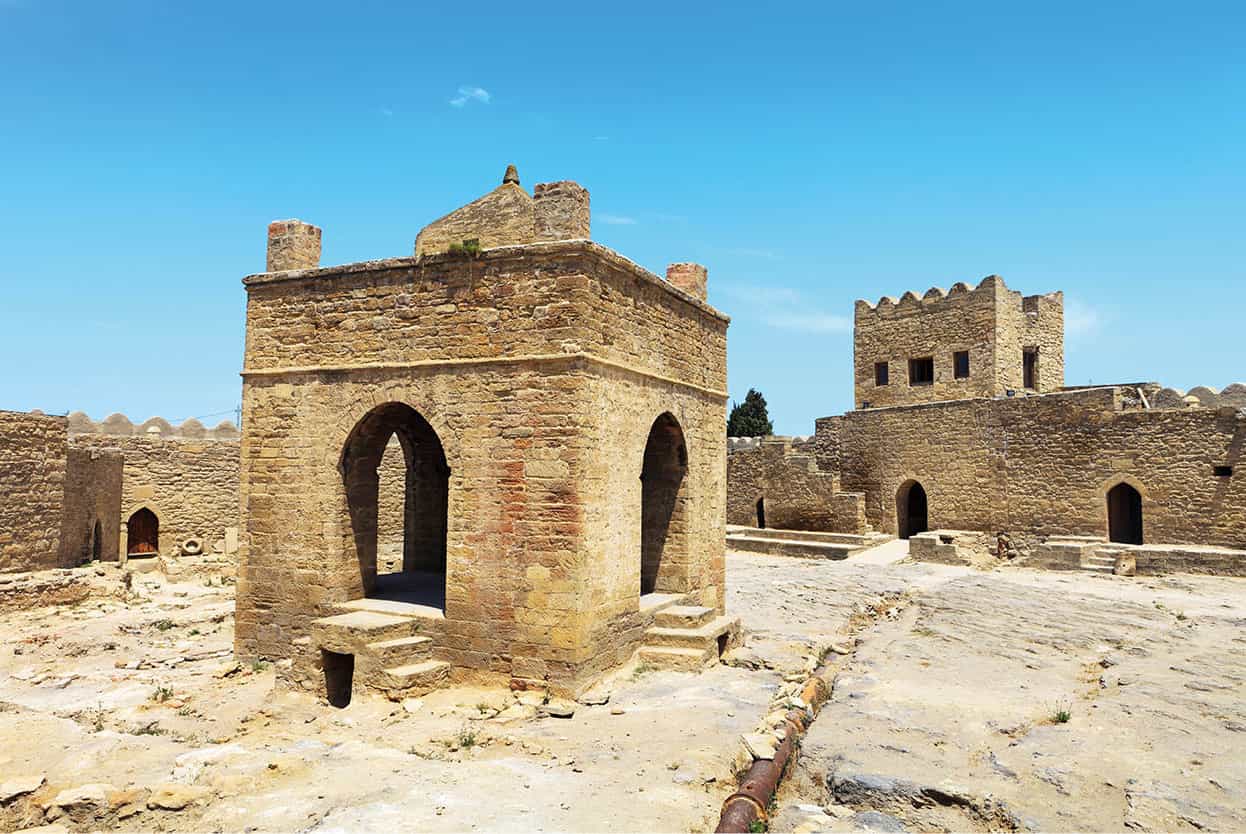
(187, 475)
(994, 324)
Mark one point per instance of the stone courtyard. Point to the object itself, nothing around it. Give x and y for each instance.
(945, 713)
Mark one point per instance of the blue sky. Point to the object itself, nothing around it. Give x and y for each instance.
(809, 155)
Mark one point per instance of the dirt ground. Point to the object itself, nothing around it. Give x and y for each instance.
(129, 714)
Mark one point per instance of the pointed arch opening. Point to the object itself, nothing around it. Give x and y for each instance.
(912, 512)
(97, 535)
(143, 533)
(1124, 514)
(761, 513)
(421, 507)
(663, 508)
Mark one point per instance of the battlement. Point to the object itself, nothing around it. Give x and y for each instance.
(119, 425)
(990, 289)
(961, 343)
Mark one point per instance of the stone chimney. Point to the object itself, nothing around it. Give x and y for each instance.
(691, 278)
(292, 244)
(560, 211)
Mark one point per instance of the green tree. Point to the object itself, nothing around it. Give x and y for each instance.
(749, 418)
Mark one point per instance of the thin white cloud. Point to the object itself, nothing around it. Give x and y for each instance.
(1080, 319)
(469, 94)
(387, 112)
(616, 220)
(784, 308)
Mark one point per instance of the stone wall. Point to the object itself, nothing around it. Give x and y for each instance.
(784, 474)
(993, 323)
(186, 475)
(32, 490)
(1042, 465)
(541, 370)
(91, 526)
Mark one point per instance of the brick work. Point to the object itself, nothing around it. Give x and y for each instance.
(691, 278)
(293, 244)
(540, 370)
(993, 323)
(32, 490)
(92, 497)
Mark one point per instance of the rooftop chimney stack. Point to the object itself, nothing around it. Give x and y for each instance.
(691, 278)
(560, 211)
(293, 244)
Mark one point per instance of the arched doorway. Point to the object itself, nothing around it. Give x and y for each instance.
(761, 513)
(1124, 514)
(911, 510)
(663, 513)
(425, 503)
(143, 533)
(97, 533)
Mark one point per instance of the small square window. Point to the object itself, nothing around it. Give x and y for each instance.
(881, 373)
(921, 371)
(1222, 471)
(960, 359)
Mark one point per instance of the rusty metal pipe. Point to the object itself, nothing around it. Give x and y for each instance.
(748, 804)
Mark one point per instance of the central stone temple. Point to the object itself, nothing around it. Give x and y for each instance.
(560, 412)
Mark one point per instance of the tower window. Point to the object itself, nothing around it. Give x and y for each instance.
(921, 371)
(1222, 471)
(960, 360)
(1029, 366)
(881, 373)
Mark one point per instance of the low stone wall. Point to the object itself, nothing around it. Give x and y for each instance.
(795, 494)
(955, 547)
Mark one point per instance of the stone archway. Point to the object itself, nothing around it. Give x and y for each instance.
(912, 510)
(142, 533)
(1124, 514)
(663, 508)
(425, 503)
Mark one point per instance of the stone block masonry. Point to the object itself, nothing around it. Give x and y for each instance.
(185, 476)
(558, 411)
(33, 459)
(777, 482)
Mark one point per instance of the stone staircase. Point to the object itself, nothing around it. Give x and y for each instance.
(688, 638)
(391, 645)
(805, 544)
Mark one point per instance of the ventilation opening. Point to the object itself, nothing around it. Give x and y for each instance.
(761, 513)
(1029, 365)
(722, 644)
(339, 676)
(960, 362)
(1222, 471)
(882, 374)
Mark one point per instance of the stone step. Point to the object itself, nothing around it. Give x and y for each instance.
(684, 616)
(680, 659)
(805, 535)
(1099, 568)
(401, 651)
(351, 633)
(787, 547)
(414, 678)
(702, 637)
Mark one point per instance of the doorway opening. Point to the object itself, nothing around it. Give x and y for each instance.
(663, 508)
(143, 533)
(911, 510)
(413, 522)
(97, 533)
(761, 513)
(1124, 514)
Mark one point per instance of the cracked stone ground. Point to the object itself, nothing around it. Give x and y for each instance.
(133, 714)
